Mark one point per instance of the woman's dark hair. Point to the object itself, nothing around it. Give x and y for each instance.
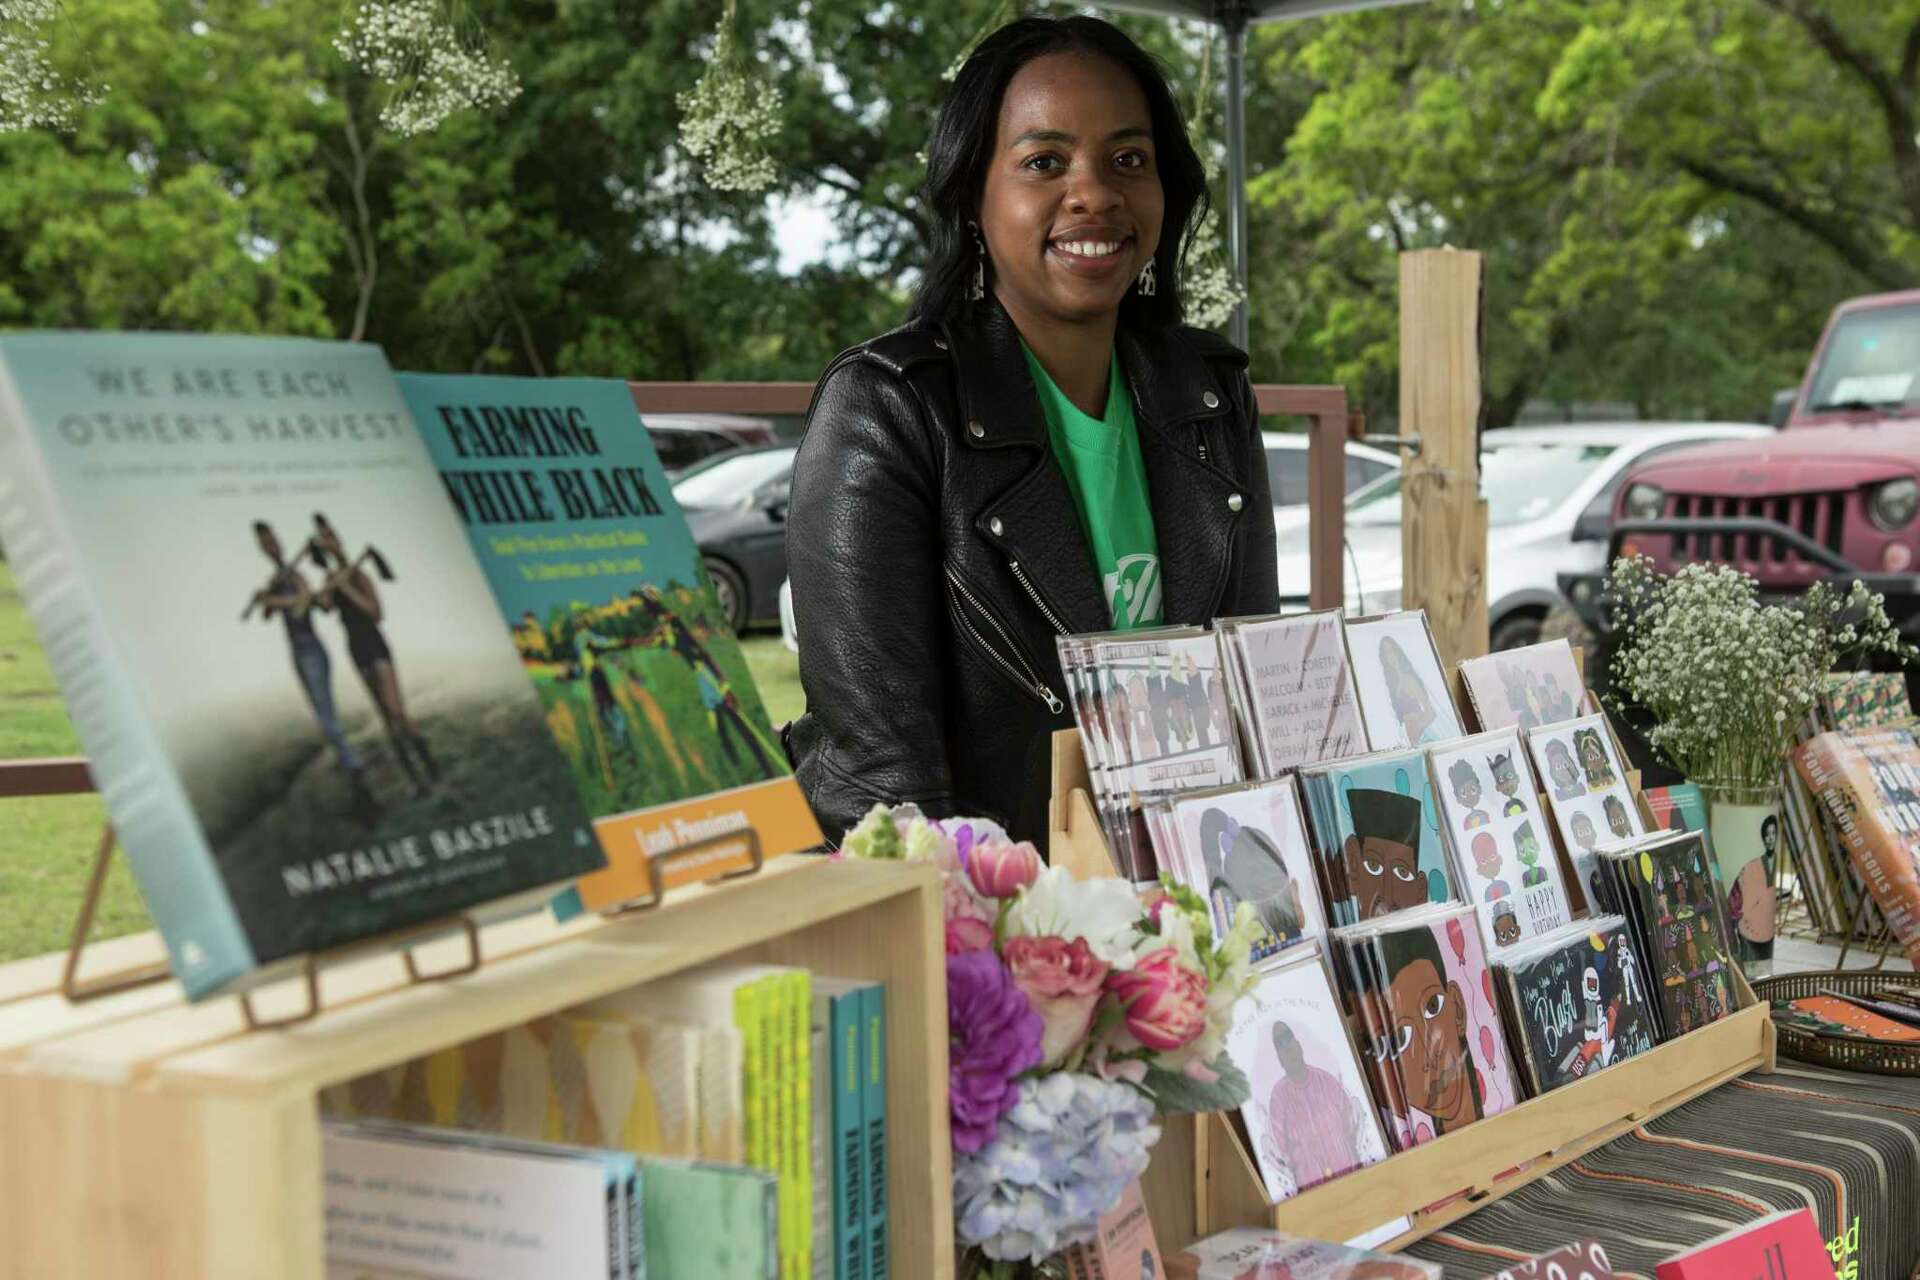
(961, 146)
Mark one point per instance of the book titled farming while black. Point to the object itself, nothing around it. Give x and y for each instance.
(286, 668)
(644, 687)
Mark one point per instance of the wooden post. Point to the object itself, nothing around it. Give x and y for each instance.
(1443, 527)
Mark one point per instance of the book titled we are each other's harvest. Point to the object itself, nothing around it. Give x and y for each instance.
(643, 685)
(287, 671)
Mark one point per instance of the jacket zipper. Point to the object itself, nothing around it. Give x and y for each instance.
(1022, 673)
(1021, 577)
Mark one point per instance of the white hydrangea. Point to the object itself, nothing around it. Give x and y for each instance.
(1727, 679)
(727, 118)
(431, 73)
(33, 95)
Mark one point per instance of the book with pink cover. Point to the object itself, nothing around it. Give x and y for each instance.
(1585, 1260)
(1780, 1246)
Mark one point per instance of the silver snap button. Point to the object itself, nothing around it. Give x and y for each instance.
(941, 343)
(977, 431)
(1235, 502)
(1212, 401)
(995, 527)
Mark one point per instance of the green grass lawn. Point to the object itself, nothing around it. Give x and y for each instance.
(46, 845)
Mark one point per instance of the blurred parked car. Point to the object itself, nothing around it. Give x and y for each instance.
(1287, 468)
(1549, 494)
(684, 441)
(736, 506)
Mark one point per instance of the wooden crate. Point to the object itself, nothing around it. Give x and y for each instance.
(145, 1136)
(1204, 1180)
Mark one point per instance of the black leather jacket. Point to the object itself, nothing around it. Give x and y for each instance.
(935, 552)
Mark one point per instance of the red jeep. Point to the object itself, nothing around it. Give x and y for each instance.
(1833, 496)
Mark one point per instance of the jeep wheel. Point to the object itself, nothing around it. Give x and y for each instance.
(1516, 630)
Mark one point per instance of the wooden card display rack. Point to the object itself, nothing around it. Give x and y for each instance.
(1204, 1180)
(145, 1136)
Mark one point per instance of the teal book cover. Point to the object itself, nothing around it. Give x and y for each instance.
(714, 1221)
(846, 1007)
(643, 686)
(283, 662)
(1379, 817)
(874, 1086)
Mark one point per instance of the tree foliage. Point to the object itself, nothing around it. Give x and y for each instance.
(1670, 193)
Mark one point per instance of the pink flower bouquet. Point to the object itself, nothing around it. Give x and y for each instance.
(1076, 1016)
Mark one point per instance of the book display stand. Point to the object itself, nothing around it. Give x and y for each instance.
(188, 1144)
(1203, 1179)
(69, 776)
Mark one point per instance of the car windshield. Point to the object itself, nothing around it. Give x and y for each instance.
(1869, 361)
(732, 478)
(1521, 482)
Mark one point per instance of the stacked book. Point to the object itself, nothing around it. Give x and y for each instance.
(736, 1079)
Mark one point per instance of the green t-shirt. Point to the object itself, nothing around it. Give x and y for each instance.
(1101, 459)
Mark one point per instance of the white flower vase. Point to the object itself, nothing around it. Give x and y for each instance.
(1744, 824)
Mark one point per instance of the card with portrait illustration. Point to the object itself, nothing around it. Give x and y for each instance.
(1248, 844)
(1503, 856)
(1576, 1002)
(1308, 1115)
(1403, 689)
(1377, 835)
(1524, 688)
(1580, 766)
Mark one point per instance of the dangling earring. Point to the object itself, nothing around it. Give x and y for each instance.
(1147, 282)
(978, 289)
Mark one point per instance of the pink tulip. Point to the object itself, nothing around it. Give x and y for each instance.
(967, 934)
(1001, 868)
(1062, 982)
(1164, 1001)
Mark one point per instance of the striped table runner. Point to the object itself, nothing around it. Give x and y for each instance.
(1846, 1146)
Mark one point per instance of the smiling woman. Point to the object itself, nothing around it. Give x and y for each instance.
(1042, 449)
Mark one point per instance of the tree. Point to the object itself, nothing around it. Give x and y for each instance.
(1565, 139)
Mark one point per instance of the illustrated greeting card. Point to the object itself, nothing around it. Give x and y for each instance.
(1502, 854)
(1586, 787)
(1403, 689)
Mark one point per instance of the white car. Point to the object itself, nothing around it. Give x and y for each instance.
(1549, 494)
(1286, 471)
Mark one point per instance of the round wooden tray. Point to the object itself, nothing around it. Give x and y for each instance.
(1844, 1052)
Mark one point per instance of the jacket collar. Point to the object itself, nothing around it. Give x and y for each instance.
(1034, 520)
(1171, 382)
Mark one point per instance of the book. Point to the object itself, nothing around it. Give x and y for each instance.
(1869, 783)
(287, 671)
(1780, 1246)
(842, 1069)
(444, 1205)
(1403, 689)
(1864, 700)
(1295, 690)
(643, 686)
(1587, 792)
(820, 1136)
(873, 1104)
(1421, 983)
(1663, 885)
(1503, 854)
(1575, 1002)
(1376, 831)
(1122, 1248)
(1586, 1260)
(629, 1083)
(1307, 1117)
(1248, 844)
(1525, 688)
(714, 1221)
(750, 999)
(1833, 1015)
(1255, 1253)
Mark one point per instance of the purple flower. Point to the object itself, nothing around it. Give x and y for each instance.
(993, 1035)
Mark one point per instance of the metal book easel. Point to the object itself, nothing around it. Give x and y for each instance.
(20, 779)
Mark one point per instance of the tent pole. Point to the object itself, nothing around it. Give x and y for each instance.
(1234, 20)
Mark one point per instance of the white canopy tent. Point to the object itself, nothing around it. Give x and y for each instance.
(1233, 17)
